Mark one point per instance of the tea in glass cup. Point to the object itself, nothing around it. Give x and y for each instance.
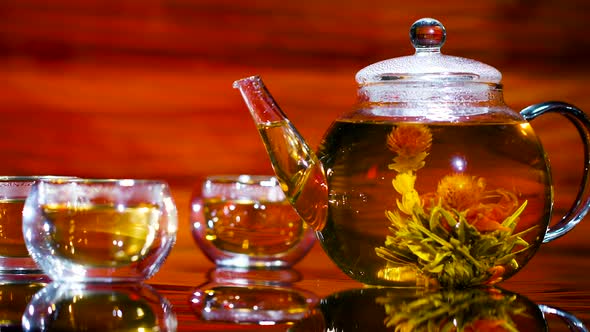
(95, 230)
(14, 257)
(246, 221)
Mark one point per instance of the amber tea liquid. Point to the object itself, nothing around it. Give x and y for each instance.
(356, 159)
(252, 227)
(101, 235)
(12, 243)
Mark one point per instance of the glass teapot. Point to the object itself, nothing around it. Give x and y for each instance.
(431, 180)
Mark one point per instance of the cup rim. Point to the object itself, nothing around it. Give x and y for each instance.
(125, 182)
(244, 179)
(29, 178)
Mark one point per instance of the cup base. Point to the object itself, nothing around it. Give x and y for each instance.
(21, 270)
(28, 277)
(19, 266)
(249, 276)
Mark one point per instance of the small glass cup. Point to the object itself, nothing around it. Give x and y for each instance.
(245, 221)
(14, 257)
(99, 230)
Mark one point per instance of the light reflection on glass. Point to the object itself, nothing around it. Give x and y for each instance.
(458, 163)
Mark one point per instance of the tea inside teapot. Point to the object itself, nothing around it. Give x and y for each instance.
(431, 180)
(463, 203)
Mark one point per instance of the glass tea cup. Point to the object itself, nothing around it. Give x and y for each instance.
(14, 257)
(100, 230)
(245, 221)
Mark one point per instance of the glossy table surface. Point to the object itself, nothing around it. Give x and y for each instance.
(557, 277)
(190, 294)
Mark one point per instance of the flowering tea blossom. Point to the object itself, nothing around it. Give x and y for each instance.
(460, 234)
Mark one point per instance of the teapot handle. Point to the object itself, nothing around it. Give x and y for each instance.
(572, 321)
(581, 204)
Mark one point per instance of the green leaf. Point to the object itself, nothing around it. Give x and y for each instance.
(437, 265)
(395, 219)
(395, 256)
(436, 269)
(449, 218)
(519, 235)
(510, 222)
(434, 220)
(461, 232)
(433, 236)
(421, 251)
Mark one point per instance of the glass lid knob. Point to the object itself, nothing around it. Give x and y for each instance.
(428, 34)
(428, 64)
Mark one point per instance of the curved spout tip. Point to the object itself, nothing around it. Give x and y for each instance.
(262, 106)
(254, 79)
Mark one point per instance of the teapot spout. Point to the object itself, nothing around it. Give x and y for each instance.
(297, 167)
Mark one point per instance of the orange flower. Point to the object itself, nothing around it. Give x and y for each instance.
(409, 140)
(497, 273)
(488, 216)
(460, 191)
(485, 210)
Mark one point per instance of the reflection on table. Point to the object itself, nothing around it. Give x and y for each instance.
(14, 297)
(98, 307)
(251, 297)
(399, 309)
(253, 300)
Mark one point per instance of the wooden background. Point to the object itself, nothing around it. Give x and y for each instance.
(142, 89)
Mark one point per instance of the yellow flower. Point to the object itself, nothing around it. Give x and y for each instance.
(409, 140)
(409, 201)
(460, 191)
(408, 163)
(404, 182)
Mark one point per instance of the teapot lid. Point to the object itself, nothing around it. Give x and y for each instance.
(428, 63)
